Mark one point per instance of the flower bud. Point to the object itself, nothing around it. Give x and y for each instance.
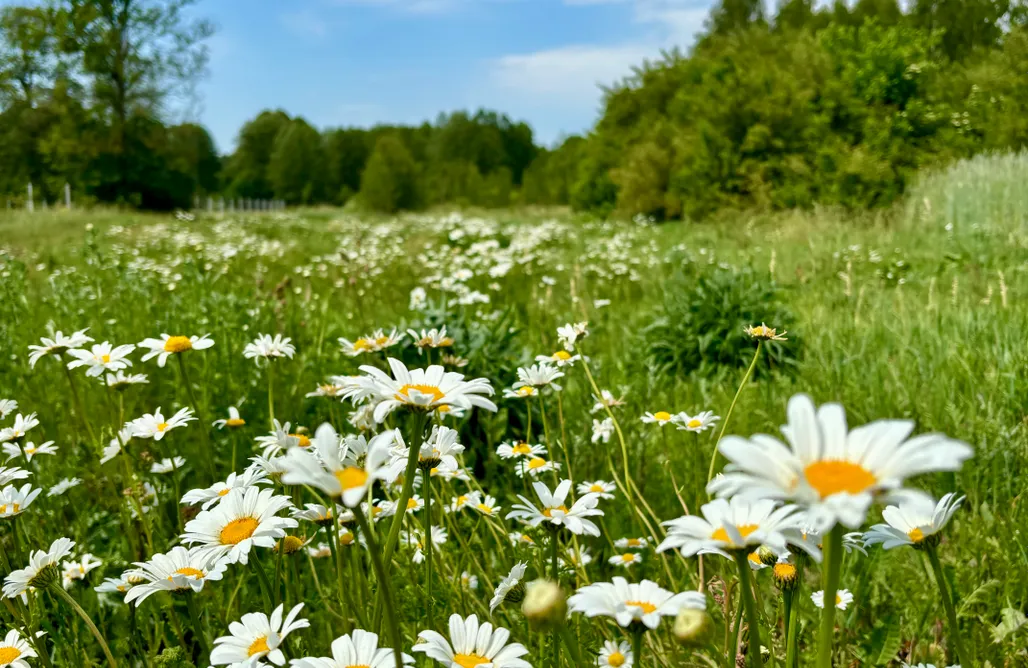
(767, 555)
(544, 605)
(785, 575)
(691, 626)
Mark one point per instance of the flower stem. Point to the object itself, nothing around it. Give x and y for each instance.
(58, 591)
(383, 586)
(271, 395)
(429, 547)
(331, 533)
(262, 579)
(571, 642)
(832, 571)
(746, 594)
(204, 425)
(728, 416)
(794, 622)
(554, 561)
(194, 615)
(416, 437)
(76, 399)
(637, 644)
(947, 603)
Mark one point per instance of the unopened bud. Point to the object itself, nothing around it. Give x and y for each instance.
(290, 544)
(767, 555)
(544, 605)
(691, 626)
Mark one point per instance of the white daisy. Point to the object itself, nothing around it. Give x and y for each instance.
(554, 511)
(523, 539)
(511, 587)
(255, 637)
(471, 644)
(625, 559)
(912, 522)
(7, 406)
(523, 392)
(487, 506)
(561, 358)
(359, 650)
(73, 571)
(737, 524)
(120, 380)
(314, 512)
(573, 559)
(14, 500)
(602, 430)
(631, 543)
(63, 486)
(606, 400)
(210, 495)
(569, 334)
(469, 581)
(601, 488)
(698, 423)
(416, 540)
(833, 473)
(113, 448)
(166, 346)
(101, 357)
(440, 449)
(615, 655)
(329, 469)
(418, 298)
(535, 467)
(168, 465)
(29, 449)
(232, 421)
(266, 347)
(626, 603)
(660, 418)
(118, 585)
(245, 518)
(12, 473)
(14, 650)
(372, 343)
(432, 338)
(280, 439)
(21, 425)
(42, 569)
(155, 426)
(764, 333)
(180, 570)
(539, 376)
(58, 345)
(842, 599)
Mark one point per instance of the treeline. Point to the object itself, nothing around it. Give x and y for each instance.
(835, 105)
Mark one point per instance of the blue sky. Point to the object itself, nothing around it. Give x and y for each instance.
(361, 62)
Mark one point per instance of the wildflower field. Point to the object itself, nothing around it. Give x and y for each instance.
(518, 439)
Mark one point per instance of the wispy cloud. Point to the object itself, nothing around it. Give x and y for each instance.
(306, 23)
(406, 6)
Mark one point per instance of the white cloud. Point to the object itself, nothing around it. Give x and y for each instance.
(570, 71)
(305, 23)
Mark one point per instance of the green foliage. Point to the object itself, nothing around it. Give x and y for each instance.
(390, 179)
(173, 657)
(700, 328)
(297, 164)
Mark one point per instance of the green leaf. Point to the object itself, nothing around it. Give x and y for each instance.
(1013, 620)
(981, 595)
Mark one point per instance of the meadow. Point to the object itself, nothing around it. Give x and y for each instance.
(916, 313)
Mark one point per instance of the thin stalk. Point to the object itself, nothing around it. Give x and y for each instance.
(728, 416)
(383, 586)
(429, 547)
(787, 603)
(337, 557)
(554, 560)
(794, 620)
(194, 615)
(204, 425)
(746, 594)
(58, 591)
(416, 438)
(947, 603)
(571, 642)
(832, 572)
(271, 395)
(76, 399)
(262, 579)
(637, 644)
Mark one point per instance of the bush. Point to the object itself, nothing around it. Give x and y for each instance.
(390, 180)
(700, 327)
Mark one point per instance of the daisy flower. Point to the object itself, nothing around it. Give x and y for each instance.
(232, 421)
(832, 472)
(414, 504)
(153, 425)
(14, 500)
(113, 448)
(180, 570)
(615, 655)
(535, 467)
(602, 430)
(29, 449)
(432, 338)
(440, 449)
(18, 429)
(660, 418)
(555, 512)
(58, 345)
(842, 599)
(168, 465)
(463, 501)
(539, 376)
(569, 334)
(626, 559)
(561, 358)
(78, 570)
(522, 392)
(359, 650)
(41, 571)
(329, 469)
(12, 473)
(256, 636)
(120, 381)
(606, 400)
(7, 406)
(14, 650)
(281, 439)
(913, 522)
(63, 486)
(762, 332)
(736, 524)
(642, 602)
(269, 348)
(695, 423)
(420, 389)
(471, 644)
(631, 543)
(118, 585)
(418, 298)
(166, 346)
(331, 390)
(511, 588)
(487, 506)
(469, 581)
(245, 518)
(314, 512)
(373, 343)
(518, 538)
(573, 559)
(416, 539)
(101, 357)
(601, 488)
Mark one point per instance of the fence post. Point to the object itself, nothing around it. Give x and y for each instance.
(30, 205)
(67, 196)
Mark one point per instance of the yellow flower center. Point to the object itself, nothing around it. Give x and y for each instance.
(162, 426)
(106, 359)
(30, 451)
(548, 512)
(662, 416)
(628, 558)
(259, 646)
(15, 508)
(382, 340)
(744, 530)
(363, 344)
(235, 422)
(521, 449)
(616, 659)
(536, 463)
(784, 571)
(694, 423)
(411, 504)
(488, 510)
(634, 542)
(755, 558)
(469, 660)
(838, 599)
(8, 655)
(431, 390)
(192, 572)
(528, 539)
(526, 391)
(177, 344)
(351, 478)
(916, 535)
(833, 476)
(225, 491)
(346, 539)
(237, 531)
(644, 605)
(303, 441)
(596, 488)
(291, 544)
(462, 499)
(562, 355)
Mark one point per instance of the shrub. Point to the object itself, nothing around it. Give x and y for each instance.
(390, 180)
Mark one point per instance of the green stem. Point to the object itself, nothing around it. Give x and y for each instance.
(383, 585)
(278, 569)
(794, 621)
(416, 437)
(746, 594)
(58, 591)
(194, 615)
(947, 603)
(832, 571)
(728, 416)
(271, 395)
(262, 579)
(76, 399)
(637, 644)
(429, 547)
(571, 642)
(204, 425)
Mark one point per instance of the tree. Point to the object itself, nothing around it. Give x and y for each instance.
(296, 168)
(733, 15)
(247, 169)
(346, 153)
(390, 179)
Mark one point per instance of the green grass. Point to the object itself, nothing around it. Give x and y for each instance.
(915, 313)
